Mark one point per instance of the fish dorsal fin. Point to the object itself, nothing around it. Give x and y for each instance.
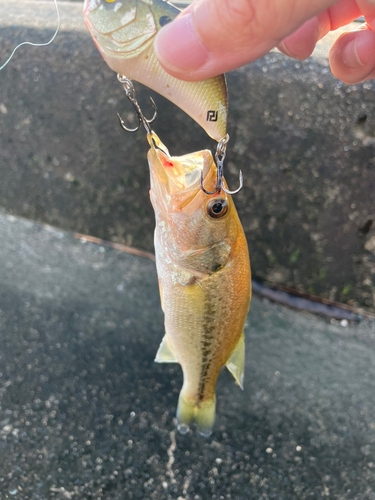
(164, 354)
(236, 362)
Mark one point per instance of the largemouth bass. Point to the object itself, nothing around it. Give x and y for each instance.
(124, 31)
(204, 277)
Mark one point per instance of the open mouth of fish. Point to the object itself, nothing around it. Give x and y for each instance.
(181, 175)
(120, 27)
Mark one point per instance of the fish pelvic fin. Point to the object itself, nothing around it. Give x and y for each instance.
(202, 413)
(236, 362)
(165, 354)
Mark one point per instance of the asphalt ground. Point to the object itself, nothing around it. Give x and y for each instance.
(85, 413)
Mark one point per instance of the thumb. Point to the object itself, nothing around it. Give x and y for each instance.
(214, 36)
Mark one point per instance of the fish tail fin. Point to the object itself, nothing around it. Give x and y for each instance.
(202, 413)
(185, 414)
(205, 416)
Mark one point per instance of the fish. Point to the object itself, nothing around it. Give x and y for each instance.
(124, 31)
(203, 268)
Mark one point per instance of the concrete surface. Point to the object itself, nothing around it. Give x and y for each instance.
(85, 413)
(304, 141)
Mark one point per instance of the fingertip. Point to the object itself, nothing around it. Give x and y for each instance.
(301, 43)
(178, 47)
(352, 56)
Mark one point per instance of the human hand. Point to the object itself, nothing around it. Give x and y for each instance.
(214, 36)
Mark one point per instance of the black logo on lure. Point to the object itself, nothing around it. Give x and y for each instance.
(212, 116)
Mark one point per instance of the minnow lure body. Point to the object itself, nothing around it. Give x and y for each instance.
(124, 31)
(204, 277)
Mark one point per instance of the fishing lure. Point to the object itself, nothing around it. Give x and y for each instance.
(124, 32)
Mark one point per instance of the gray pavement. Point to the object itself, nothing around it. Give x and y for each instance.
(85, 413)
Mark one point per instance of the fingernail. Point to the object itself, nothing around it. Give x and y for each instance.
(350, 55)
(301, 43)
(177, 46)
(283, 49)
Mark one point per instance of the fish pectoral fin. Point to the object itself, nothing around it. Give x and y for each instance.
(206, 261)
(236, 362)
(165, 354)
(185, 277)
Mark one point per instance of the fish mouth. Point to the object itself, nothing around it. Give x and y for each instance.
(120, 28)
(180, 176)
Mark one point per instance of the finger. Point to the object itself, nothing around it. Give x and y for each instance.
(343, 13)
(213, 36)
(352, 56)
(301, 43)
(367, 8)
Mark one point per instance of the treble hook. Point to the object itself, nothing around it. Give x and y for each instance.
(219, 157)
(130, 94)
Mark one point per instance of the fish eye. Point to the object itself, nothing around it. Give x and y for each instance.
(217, 208)
(164, 20)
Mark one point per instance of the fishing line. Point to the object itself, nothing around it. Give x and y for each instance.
(36, 44)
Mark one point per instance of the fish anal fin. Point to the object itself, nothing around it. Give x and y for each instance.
(165, 354)
(236, 362)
